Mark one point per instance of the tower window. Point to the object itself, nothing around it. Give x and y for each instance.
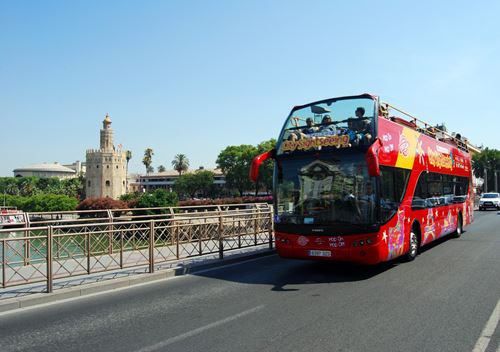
(107, 166)
(88, 183)
(108, 183)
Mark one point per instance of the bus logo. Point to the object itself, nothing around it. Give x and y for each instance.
(403, 145)
(302, 241)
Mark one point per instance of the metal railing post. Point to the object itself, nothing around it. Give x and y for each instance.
(4, 263)
(177, 239)
(203, 235)
(49, 260)
(87, 244)
(256, 227)
(221, 242)
(121, 249)
(27, 244)
(111, 230)
(271, 222)
(151, 246)
(239, 231)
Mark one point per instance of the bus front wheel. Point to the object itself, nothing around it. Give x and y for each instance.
(413, 250)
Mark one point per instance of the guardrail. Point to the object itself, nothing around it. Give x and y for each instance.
(65, 247)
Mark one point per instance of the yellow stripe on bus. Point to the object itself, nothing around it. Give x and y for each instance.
(407, 148)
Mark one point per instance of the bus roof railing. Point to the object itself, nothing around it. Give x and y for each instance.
(428, 129)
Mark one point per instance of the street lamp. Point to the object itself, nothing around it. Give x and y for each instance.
(496, 181)
(485, 179)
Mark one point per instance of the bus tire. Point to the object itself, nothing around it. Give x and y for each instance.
(460, 226)
(413, 245)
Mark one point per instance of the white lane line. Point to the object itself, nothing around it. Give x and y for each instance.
(197, 331)
(488, 331)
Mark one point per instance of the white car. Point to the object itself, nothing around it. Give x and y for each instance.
(489, 200)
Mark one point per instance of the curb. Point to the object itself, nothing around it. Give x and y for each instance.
(11, 304)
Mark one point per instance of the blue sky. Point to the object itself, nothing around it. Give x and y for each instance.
(193, 77)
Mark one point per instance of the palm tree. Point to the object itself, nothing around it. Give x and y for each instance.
(128, 156)
(180, 163)
(161, 168)
(148, 159)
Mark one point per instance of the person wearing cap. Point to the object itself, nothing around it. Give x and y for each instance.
(327, 126)
(310, 128)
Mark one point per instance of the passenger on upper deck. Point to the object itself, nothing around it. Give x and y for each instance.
(303, 132)
(327, 125)
(310, 128)
(359, 128)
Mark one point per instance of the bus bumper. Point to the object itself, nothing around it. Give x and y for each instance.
(362, 249)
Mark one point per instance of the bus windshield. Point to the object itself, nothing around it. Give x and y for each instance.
(324, 190)
(334, 123)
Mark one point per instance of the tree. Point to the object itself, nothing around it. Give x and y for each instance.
(180, 163)
(28, 186)
(147, 160)
(234, 161)
(158, 198)
(128, 156)
(73, 187)
(49, 202)
(484, 165)
(100, 204)
(193, 183)
(161, 168)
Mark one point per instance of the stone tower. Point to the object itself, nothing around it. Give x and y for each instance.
(106, 170)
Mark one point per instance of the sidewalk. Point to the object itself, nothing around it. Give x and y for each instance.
(33, 294)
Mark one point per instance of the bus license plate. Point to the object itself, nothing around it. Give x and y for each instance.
(315, 253)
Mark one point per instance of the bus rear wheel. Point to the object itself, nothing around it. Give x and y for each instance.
(413, 250)
(459, 230)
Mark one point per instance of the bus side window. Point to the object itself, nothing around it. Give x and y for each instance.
(393, 182)
(435, 189)
(420, 196)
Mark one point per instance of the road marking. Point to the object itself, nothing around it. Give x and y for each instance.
(488, 331)
(194, 332)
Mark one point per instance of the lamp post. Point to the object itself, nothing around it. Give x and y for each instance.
(496, 181)
(485, 179)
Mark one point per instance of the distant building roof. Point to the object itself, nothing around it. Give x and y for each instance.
(45, 167)
(174, 173)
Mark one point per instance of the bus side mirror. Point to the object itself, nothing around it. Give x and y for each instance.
(257, 162)
(372, 158)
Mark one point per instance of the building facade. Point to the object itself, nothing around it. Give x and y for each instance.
(166, 180)
(106, 172)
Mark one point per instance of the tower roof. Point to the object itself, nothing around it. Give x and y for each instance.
(107, 121)
(46, 167)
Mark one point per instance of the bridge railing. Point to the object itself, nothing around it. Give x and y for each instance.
(55, 248)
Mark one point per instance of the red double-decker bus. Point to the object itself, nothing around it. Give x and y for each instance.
(358, 180)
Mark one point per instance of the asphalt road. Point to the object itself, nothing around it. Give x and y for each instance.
(443, 301)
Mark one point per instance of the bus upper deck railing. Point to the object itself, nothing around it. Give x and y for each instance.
(426, 128)
(57, 248)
